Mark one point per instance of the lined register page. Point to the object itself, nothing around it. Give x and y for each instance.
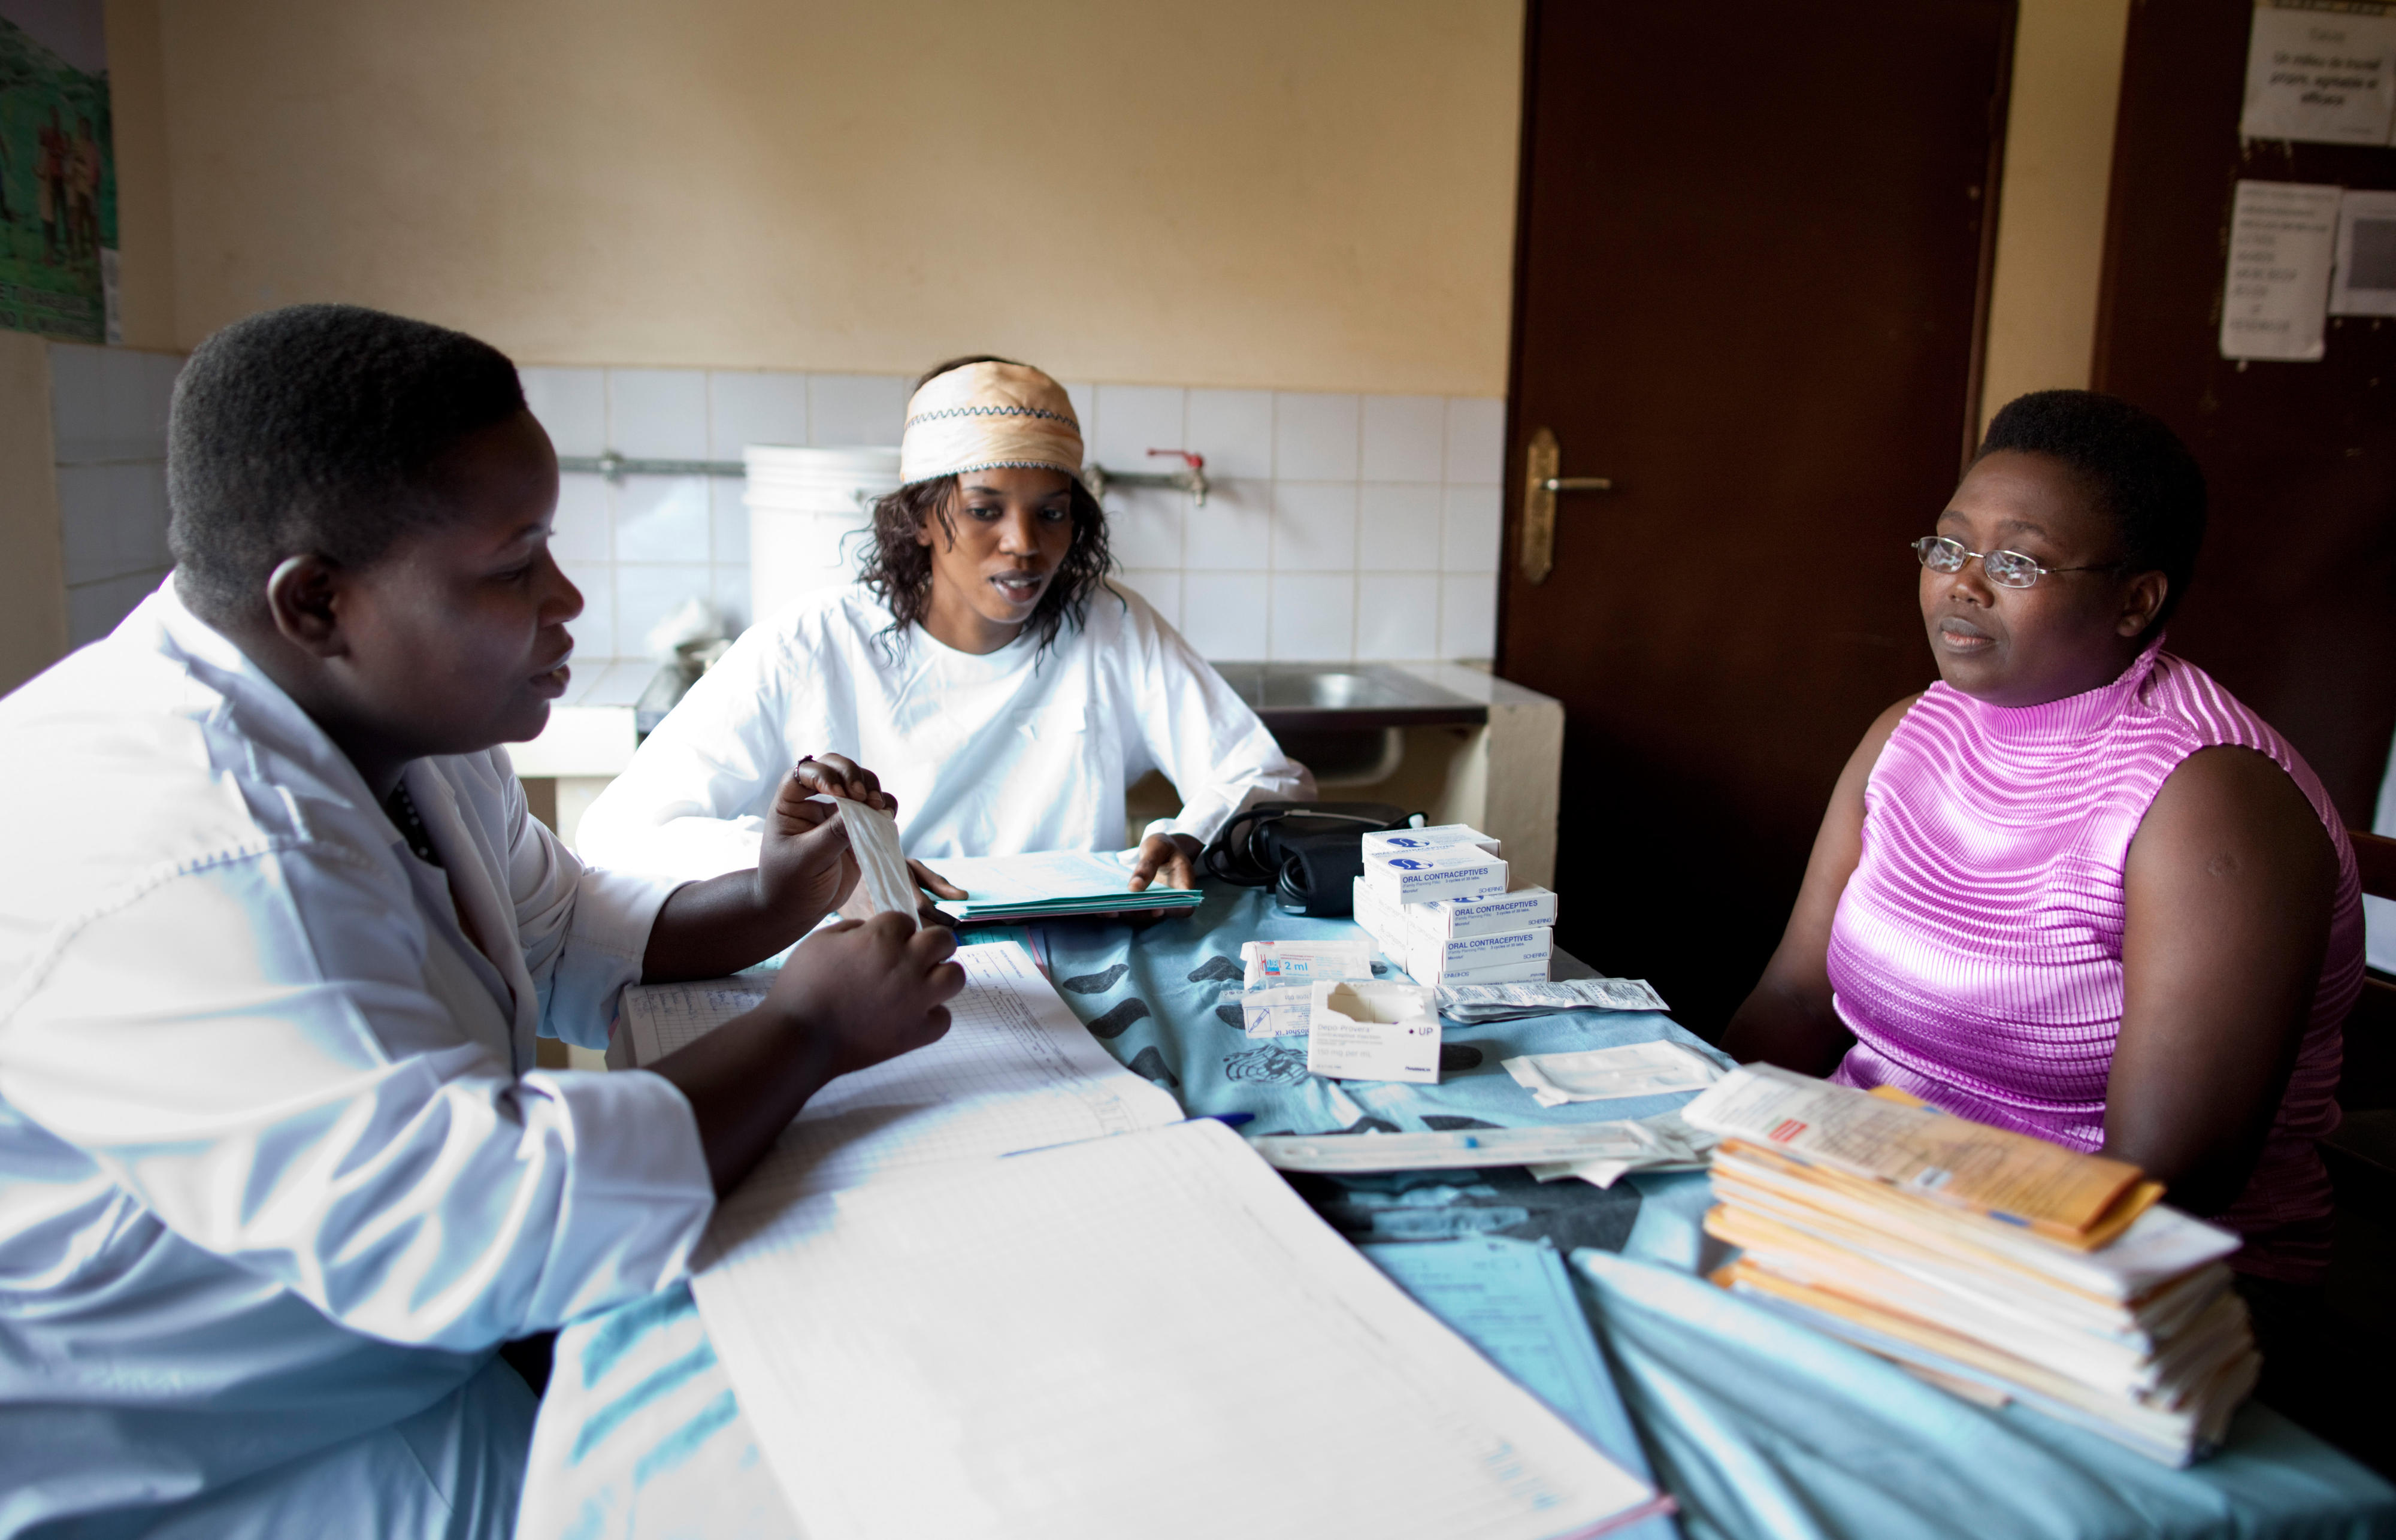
(1150, 1336)
(1015, 1071)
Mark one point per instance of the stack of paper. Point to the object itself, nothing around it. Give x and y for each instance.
(951, 1306)
(1052, 885)
(1992, 1263)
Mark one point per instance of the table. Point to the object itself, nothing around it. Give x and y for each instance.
(1757, 1425)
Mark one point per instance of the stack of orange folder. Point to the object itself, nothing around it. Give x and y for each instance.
(1995, 1264)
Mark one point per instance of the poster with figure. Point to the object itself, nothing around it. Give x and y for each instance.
(58, 172)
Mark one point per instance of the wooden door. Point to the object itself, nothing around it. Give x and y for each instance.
(2293, 607)
(1751, 268)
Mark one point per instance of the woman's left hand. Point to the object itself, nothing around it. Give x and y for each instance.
(1173, 858)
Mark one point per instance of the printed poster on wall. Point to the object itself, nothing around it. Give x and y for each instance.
(58, 172)
(2321, 71)
(2282, 243)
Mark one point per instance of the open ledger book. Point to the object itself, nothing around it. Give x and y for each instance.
(949, 1305)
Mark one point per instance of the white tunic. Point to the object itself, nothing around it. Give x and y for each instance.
(993, 754)
(276, 1170)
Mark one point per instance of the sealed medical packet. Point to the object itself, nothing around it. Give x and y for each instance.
(1451, 871)
(1276, 1009)
(1304, 961)
(1474, 1003)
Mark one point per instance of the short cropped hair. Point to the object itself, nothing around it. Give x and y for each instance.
(311, 429)
(2141, 474)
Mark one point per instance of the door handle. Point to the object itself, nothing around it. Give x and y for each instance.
(1540, 485)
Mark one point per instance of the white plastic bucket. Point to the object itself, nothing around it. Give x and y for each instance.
(810, 515)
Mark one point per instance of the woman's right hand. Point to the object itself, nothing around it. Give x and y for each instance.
(853, 995)
(866, 990)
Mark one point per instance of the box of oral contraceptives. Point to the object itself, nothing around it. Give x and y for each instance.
(1425, 969)
(1462, 954)
(1363, 1030)
(1397, 842)
(1507, 911)
(1386, 922)
(1422, 877)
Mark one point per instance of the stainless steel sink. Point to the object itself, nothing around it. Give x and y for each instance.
(1321, 696)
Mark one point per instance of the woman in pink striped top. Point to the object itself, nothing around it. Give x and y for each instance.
(2075, 888)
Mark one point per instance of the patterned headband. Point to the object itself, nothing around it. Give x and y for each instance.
(983, 416)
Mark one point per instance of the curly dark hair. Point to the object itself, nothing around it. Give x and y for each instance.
(899, 570)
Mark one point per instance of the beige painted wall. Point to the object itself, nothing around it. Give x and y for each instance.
(137, 88)
(2051, 208)
(1299, 193)
(33, 568)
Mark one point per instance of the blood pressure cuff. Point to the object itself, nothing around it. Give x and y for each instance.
(1309, 852)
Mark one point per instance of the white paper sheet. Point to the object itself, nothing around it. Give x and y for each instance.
(2281, 238)
(1015, 1071)
(1150, 1336)
(662, 1018)
(2318, 75)
(2365, 281)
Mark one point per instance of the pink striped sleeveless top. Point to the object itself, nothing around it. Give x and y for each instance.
(1977, 954)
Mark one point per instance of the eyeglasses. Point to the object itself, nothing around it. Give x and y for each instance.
(2005, 568)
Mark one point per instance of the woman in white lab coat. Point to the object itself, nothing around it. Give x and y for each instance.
(1005, 691)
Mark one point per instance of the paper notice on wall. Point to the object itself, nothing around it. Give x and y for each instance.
(2366, 282)
(2282, 236)
(2320, 74)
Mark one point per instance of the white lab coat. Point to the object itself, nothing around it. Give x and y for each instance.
(993, 754)
(276, 1170)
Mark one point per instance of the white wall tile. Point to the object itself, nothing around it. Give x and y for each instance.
(748, 407)
(1313, 618)
(1404, 438)
(78, 402)
(661, 519)
(730, 518)
(728, 585)
(646, 594)
(1086, 413)
(580, 532)
(1314, 436)
(1471, 530)
(1234, 430)
(1468, 617)
(1314, 526)
(1160, 589)
(658, 413)
(1233, 531)
(138, 516)
(850, 409)
(1132, 421)
(594, 630)
(1144, 528)
(1398, 529)
(1476, 440)
(86, 529)
(94, 610)
(1224, 613)
(1397, 616)
(572, 403)
(135, 430)
(159, 373)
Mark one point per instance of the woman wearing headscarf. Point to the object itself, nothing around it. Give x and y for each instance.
(1004, 690)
